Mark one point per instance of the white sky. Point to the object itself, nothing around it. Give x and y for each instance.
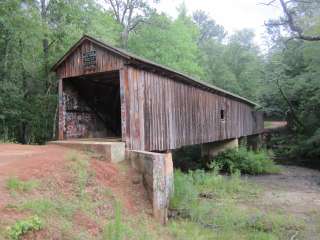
(232, 14)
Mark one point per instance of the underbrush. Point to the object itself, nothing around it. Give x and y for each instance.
(246, 161)
(211, 206)
(295, 149)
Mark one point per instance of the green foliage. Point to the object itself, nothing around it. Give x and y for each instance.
(28, 92)
(171, 43)
(236, 66)
(21, 227)
(209, 207)
(292, 86)
(17, 185)
(188, 187)
(246, 161)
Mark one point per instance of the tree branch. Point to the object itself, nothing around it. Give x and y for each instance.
(293, 27)
(292, 110)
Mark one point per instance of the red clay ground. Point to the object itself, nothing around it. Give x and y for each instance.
(36, 162)
(28, 162)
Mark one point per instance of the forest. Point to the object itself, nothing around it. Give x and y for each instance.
(284, 78)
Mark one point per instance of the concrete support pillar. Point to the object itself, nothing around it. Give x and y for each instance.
(214, 148)
(255, 142)
(157, 173)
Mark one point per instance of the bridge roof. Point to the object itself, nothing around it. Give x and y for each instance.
(142, 62)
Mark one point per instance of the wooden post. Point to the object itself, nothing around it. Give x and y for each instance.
(123, 103)
(61, 111)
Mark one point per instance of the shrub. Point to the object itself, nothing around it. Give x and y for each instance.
(21, 227)
(246, 161)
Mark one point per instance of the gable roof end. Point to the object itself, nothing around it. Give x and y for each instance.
(134, 58)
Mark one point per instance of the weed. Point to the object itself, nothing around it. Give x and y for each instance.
(115, 230)
(17, 185)
(246, 161)
(45, 207)
(79, 166)
(21, 227)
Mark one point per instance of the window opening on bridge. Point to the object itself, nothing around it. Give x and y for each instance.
(222, 114)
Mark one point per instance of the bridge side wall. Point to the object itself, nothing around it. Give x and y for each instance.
(162, 113)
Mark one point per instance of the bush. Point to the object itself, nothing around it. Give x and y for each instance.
(245, 161)
(21, 227)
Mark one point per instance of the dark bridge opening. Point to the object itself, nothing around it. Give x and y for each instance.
(92, 106)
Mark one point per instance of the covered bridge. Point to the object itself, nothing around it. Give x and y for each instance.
(106, 92)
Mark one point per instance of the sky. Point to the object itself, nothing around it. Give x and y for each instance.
(233, 15)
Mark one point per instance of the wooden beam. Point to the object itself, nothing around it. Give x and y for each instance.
(61, 111)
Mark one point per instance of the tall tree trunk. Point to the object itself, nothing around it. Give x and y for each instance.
(24, 123)
(6, 56)
(125, 37)
(45, 44)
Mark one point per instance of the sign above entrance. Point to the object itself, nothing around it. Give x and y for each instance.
(89, 58)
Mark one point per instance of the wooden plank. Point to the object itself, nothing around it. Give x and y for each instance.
(61, 111)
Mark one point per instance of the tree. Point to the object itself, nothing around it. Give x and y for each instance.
(129, 14)
(209, 29)
(293, 11)
(169, 42)
(33, 35)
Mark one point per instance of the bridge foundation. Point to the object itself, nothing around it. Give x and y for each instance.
(213, 149)
(252, 142)
(255, 142)
(157, 174)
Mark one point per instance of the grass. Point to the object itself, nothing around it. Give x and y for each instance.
(14, 184)
(211, 206)
(208, 206)
(80, 168)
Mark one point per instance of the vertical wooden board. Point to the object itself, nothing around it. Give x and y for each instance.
(61, 111)
(132, 108)
(141, 89)
(136, 111)
(146, 112)
(123, 105)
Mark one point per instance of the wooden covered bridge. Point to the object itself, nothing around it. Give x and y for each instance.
(107, 93)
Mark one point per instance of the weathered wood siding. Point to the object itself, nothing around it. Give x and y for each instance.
(105, 61)
(163, 114)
